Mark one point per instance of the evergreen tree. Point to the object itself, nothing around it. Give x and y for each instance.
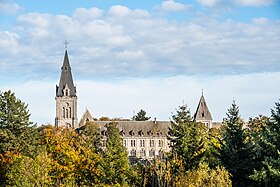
(268, 142)
(116, 168)
(17, 133)
(90, 137)
(187, 138)
(141, 116)
(235, 155)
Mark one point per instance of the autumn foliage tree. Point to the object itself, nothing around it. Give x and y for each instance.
(17, 133)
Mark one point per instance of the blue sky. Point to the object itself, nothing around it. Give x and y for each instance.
(229, 48)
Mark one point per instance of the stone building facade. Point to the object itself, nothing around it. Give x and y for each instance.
(142, 139)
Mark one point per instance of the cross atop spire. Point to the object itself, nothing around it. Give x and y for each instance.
(65, 43)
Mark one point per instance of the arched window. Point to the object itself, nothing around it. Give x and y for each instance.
(66, 92)
(66, 113)
(69, 112)
(63, 112)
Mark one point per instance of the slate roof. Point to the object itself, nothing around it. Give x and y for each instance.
(66, 78)
(139, 128)
(202, 111)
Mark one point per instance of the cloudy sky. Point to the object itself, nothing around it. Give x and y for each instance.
(153, 55)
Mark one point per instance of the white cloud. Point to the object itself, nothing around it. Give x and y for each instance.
(253, 2)
(131, 55)
(8, 43)
(213, 3)
(119, 11)
(170, 5)
(87, 14)
(139, 45)
(9, 7)
(118, 41)
(158, 96)
(209, 3)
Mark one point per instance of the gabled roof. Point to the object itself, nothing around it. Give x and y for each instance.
(86, 117)
(202, 111)
(66, 78)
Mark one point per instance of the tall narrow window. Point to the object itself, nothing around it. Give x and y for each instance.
(152, 143)
(142, 143)
(160, 143)
(63, 112)
(66, 92)
(69, 112)
(66, 113)
(133, 143)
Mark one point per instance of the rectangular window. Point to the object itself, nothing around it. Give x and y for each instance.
(152, 143)
(133, 143)
(142, 143)
(160, 143)
(124, 143)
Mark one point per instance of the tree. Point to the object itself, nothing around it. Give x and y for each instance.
(17, 133)
(14, 114)
(188, 138)
(90, 137)
(141, 116)
(213, 148)
(26, 171)
(268, 142)
(115, 165)
(235, 154)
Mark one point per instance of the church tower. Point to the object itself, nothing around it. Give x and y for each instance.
(66, 98)
(202, 113)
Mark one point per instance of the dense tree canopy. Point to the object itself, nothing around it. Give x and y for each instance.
(236, 154)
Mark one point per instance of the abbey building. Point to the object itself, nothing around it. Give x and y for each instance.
(142, 139)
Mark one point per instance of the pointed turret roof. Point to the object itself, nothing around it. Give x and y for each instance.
(86, 117)
(202, 111)
(66, 78)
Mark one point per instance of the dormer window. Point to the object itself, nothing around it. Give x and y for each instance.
(131, 133)
(159, 133)
(66, 92)
(122, 132)
(150, 133)
(141, 133)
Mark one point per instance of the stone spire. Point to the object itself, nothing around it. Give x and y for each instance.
(202, 113)
(66, 98)
(66, 79)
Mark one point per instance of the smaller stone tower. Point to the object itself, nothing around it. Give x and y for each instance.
(66, 98)
(202, 113)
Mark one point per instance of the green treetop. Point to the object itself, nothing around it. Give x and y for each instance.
(141, 116)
